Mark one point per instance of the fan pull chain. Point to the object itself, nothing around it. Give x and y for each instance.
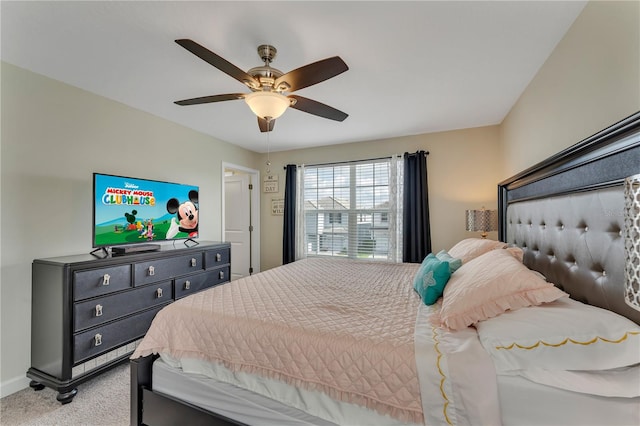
(268, 160)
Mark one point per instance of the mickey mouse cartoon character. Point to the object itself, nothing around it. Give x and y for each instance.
(186, 219)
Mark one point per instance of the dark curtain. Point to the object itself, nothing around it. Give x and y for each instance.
(416, 231)
(289, 230)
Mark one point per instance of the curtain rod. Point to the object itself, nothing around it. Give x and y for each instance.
(352, 161)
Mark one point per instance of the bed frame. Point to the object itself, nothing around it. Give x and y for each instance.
(565, 212)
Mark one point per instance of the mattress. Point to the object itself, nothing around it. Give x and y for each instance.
(520, 402)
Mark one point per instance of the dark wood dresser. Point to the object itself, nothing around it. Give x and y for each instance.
(89, 313)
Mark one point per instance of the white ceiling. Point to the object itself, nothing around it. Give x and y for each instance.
(414, 67)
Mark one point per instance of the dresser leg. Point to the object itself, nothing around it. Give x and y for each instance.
(36, 386)
(66, 397)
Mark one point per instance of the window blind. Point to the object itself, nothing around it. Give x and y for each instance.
(348, 210)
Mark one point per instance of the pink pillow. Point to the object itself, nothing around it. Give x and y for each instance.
(471, 248)
(490, 285)
(516, 252)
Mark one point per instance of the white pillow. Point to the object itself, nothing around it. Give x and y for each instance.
(561, 335)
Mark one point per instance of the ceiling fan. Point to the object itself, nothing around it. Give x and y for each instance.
(270, 88)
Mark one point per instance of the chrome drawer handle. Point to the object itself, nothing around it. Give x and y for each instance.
(187, 285)
(105, 279)
(194, 262)
(221, 275)
(98, 310)
(218, 257)
(159, 293)
(97, 339)
(152, 271)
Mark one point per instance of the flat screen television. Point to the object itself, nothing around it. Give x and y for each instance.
(129, 210)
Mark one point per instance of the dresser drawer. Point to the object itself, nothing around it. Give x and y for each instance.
(214, 258)
(102, 339)
(185, 286)
(96, 282)
(107, 308)
(162, 269)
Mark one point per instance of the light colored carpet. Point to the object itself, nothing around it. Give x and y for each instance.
(103, 400)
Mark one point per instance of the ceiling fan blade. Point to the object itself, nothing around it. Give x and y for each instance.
(311, 74)
(210, 99)
(317, 108)
(218, 62)
(266, 126)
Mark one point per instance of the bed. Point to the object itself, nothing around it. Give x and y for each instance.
(403, 362)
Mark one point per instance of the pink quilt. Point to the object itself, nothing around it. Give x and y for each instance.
(342, 327)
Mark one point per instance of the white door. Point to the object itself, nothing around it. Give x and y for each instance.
(237, 223)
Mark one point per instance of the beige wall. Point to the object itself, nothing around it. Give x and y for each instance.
(591, 80)
(54, 137)
(463, 168)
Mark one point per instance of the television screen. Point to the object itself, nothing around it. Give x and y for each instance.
(128, 210)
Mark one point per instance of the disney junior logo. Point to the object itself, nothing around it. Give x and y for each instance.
(130, 185)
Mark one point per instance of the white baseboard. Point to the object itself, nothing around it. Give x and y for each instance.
(13, 385)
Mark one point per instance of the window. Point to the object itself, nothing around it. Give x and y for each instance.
(335, 218)
(347, 209)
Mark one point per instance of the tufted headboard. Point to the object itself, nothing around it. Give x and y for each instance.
(567, 215)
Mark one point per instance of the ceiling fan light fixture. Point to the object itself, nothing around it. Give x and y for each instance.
(267, 105)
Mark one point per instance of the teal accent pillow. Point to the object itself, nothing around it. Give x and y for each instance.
(454, 263)
(431, 279)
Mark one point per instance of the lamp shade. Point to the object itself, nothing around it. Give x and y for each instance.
(632, 241)
(482, 221)
(267, 105)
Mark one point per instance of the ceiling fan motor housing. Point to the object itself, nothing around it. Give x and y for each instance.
(265, 74)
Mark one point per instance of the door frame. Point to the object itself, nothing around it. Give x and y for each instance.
(255, 209)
